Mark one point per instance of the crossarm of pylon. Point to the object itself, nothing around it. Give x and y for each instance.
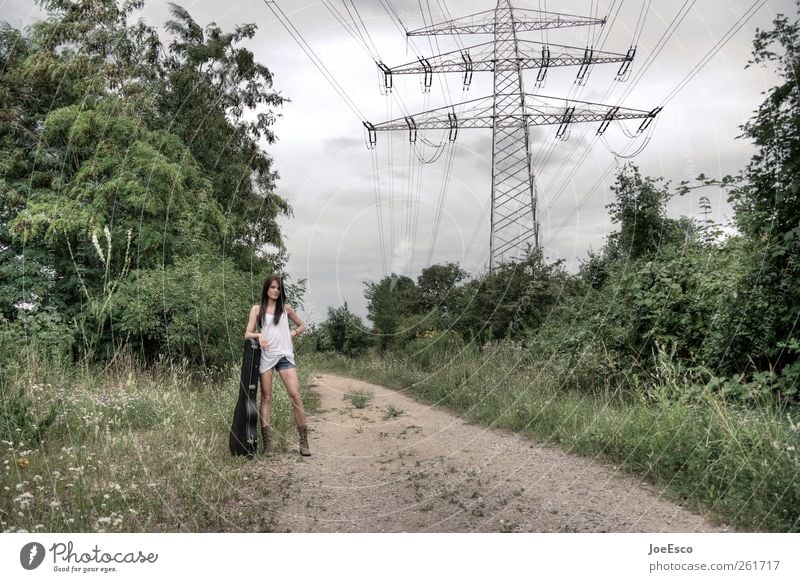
(484, 23)
(482, 59)
(476, 113)
(452, 62)
(539, 110)
(543, 110)
(564, 55)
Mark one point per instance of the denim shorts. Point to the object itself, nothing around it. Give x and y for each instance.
(283, 364)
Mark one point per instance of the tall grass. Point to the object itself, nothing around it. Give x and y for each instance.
(740, 466)
(128, 448)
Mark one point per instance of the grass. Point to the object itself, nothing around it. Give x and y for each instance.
(138, 450)
(128, 449)
(392, 412)
(739, 465)
(359, 398)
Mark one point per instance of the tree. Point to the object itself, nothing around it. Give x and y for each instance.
(640, 212)
(121, 158)
(388, 301)
(513, 300)
(436, 285)
(212, 93)
(344, 332)
(766, 200)
(77, 157)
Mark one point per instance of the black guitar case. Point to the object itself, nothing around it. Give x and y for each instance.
(243, 439)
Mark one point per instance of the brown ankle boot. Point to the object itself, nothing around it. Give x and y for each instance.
(304, 450)
(267, 440)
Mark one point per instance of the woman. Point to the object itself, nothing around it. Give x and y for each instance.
(277, 353)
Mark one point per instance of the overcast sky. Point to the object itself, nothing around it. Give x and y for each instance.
(326, 171)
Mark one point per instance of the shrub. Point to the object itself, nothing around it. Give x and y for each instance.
(359, 398)
(344, 332)
(20, 424)
(196, 310)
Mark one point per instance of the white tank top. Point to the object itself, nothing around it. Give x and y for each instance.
(280, 342)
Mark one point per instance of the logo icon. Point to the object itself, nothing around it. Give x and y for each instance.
(31, 555)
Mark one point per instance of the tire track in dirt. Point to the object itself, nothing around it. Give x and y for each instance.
(428, 470)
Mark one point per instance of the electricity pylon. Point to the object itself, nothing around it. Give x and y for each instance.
(510, 111)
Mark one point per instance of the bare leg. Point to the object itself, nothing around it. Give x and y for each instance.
(266, 397)
(292, 384)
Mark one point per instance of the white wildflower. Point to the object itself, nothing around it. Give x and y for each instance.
(97, 248)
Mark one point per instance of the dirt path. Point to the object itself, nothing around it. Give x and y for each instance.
(426, 470)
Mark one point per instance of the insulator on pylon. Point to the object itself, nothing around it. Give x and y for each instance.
(540, 77)
(372, 135)
(625, 68)
(562, 133)
(387, 76)
(583, 71)
(412, 129)
(649, 119)
(427, 79)
(467, 68)
(607, 120)
(451, 117)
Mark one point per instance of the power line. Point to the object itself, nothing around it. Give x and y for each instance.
(378, 206)
(298, 37)
(364, 26)
(660, 44)
(387, 6)
(606, 32)
(362, 36)
(679, 87)
(317, 62)
(440, 204)
(575, 91)
(715, 49)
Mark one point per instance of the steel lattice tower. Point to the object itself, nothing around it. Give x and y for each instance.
(513, 218)
(510, 110)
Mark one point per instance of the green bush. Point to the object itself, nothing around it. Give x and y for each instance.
(344, 333)
(195, 310)
(20, 424)
(37, 334)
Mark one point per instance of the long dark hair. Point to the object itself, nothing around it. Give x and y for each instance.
(265, 298)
